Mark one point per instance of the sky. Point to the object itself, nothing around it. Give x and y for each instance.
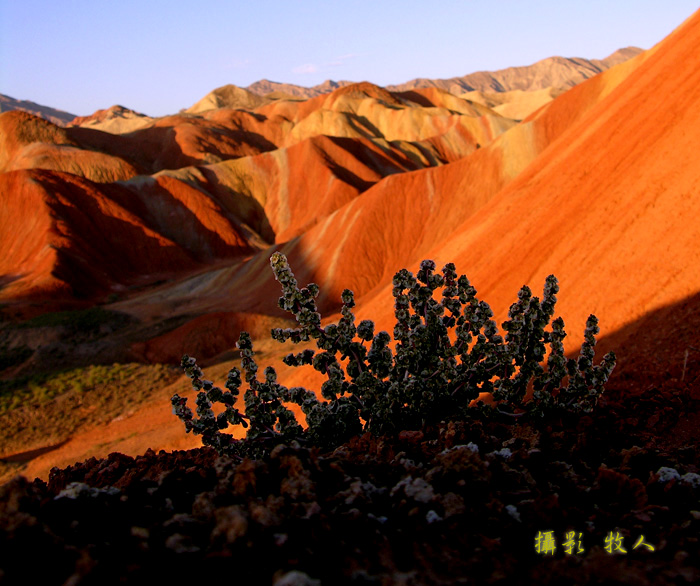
(160, 56)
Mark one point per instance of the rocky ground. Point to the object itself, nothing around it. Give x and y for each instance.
(461, 503)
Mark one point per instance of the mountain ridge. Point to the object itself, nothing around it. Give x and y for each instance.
(554, 72)
(563, 73)
(116, 119)
(58, 117)
(501, 80)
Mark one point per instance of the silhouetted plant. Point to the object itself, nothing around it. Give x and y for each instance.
(427, 377)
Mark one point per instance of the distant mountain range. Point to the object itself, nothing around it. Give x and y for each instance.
(554, 74)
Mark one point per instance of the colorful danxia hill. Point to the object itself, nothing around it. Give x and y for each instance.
(127, 241)
(167, 229)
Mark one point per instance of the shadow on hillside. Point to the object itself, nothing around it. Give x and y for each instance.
(386, 163)
(415, 97)
(363, 125)
(7, 279)
(651, 351)
(240, 205)
(156, 148)
(253, 138)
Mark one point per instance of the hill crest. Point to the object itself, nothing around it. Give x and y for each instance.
(58, 117)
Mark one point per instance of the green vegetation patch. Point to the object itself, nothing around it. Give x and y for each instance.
(39, 388)
(47, 408)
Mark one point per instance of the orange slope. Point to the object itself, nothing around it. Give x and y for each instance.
(64, 236)
(216, 211)
(610, 207)
(363, 110)
(300, 185)
(30, 142)
(177, 141)
(27, 141)
(392, 224)
(27, 257)
(399, 220)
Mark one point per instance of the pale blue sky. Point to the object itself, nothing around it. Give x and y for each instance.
(158, 56)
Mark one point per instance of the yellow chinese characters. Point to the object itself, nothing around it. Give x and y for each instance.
(544, 542)
(573, 541)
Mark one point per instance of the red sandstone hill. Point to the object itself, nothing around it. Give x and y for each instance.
(196, 189)
(116, 120)
(598, 187)
(427, 205)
